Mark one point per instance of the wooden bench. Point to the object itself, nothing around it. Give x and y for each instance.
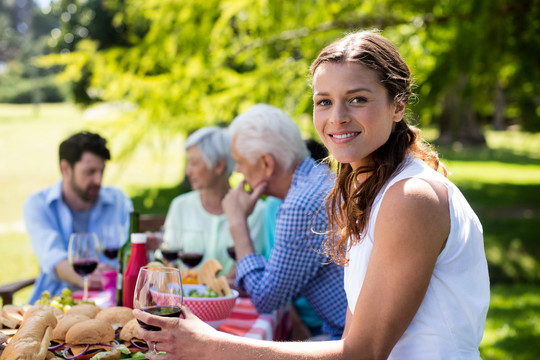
(147, 222)
(7, 291)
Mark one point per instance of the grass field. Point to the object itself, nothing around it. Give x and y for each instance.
(502, 184)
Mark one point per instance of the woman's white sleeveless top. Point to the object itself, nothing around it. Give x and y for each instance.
(450, 321)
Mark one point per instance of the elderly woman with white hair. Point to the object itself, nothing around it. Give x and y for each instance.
(209, 166)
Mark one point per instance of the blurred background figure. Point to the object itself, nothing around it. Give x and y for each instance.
(78, 203)
(197, 216)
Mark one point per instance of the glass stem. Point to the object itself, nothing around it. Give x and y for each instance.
(85, 283)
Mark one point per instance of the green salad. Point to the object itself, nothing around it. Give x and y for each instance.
(208, 293)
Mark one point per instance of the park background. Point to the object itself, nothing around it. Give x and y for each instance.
(146, 73)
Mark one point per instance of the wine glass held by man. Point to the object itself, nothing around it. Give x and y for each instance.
(416, 274)
(76, 203)
(83, 255)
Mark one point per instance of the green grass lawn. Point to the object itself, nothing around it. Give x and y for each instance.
(503, 187)
(513, 324)
(502, 184)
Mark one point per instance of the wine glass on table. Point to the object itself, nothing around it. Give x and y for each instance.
(83, 255)
(170, 245)
(169, 252)
(158, 292)
(191, 247)
(112, 237)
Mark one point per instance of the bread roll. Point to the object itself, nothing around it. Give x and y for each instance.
(117, 316)
(31, 310)
(129, 331)
(31, 341)
(84, 309)
(93, 331)
(64, 324)
(11, 316)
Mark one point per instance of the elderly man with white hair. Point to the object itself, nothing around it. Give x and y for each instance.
(198, 216)
(269, 151)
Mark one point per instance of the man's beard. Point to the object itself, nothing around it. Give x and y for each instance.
(87, 194)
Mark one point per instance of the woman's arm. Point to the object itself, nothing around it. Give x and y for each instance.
(348, 320)
(190, 338)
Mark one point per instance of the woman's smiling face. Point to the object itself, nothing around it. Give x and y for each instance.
(352, 112)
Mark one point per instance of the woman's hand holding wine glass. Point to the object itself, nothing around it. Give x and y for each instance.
(83, 255)
(158, 292)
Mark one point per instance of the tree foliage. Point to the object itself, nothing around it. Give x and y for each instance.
(187, 64)
(23, 35)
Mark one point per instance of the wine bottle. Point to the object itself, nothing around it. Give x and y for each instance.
(137, 259)
(123, 257)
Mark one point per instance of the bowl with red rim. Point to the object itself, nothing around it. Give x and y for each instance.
(211, 310)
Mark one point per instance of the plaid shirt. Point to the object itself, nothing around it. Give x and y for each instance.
(297, 265)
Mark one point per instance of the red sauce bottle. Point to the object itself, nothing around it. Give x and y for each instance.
(137, 259)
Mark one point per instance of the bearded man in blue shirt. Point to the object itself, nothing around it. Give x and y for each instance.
(269, 150)
(77, 203)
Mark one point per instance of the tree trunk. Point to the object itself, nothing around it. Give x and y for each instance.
(500, 106)
(458, 123)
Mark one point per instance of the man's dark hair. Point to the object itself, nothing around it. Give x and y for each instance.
(73, 147)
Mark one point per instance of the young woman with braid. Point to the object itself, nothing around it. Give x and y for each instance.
(415, 270)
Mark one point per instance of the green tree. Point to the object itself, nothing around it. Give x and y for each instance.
(23, 36)
(481, 65)
(85, 19)
(191, 63)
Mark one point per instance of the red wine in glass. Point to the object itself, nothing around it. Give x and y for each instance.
(112, 237)
(111, 253)
(83, 255)
(85, 267)
(159, 292)
(232, 252)
(191, 259)
(167, 311)
(170, 255)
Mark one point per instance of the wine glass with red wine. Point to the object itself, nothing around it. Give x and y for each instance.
(158, 292)
(191, 247)
(169, 252)
(112, 237)
(83, 255)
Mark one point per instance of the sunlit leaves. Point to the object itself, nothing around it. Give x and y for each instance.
(192, 63)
